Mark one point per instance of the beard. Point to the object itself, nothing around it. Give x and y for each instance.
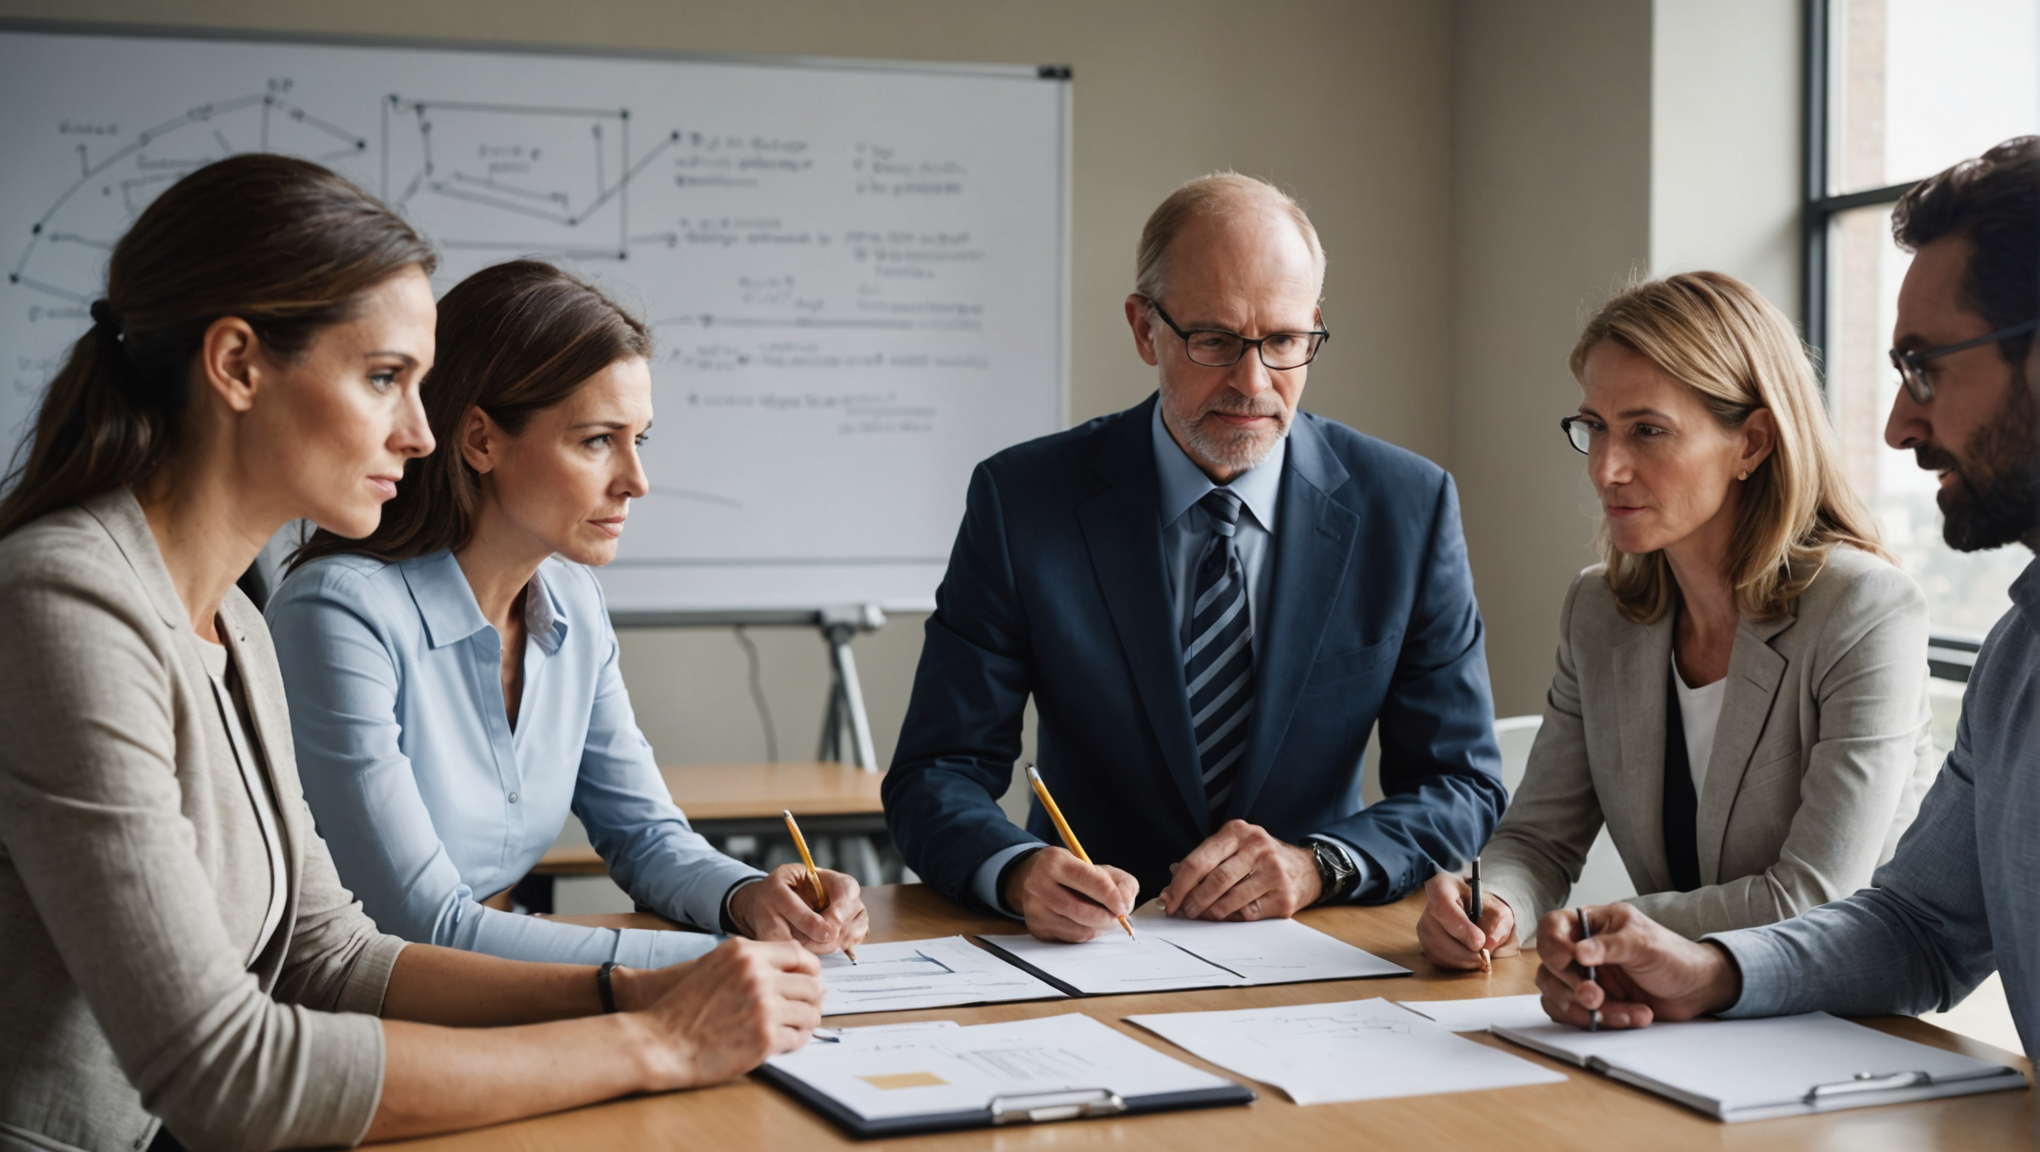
(1995, 498)
(1215, 442)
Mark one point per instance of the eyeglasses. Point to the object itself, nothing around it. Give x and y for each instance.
(1578, 431)
(1915, 377)
(1217, 348)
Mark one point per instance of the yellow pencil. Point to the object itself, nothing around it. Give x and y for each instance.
(814, 877)
(1063, 826)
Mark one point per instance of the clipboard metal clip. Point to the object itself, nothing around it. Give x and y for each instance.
(1041, 1107)
(1868, 1082)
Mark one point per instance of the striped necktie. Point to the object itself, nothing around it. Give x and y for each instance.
(1218, 660)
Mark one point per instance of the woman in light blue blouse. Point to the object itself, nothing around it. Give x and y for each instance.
(453, 678)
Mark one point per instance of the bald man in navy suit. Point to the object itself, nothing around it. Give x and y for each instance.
(1211, 597)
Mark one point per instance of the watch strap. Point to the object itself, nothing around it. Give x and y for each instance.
(1336, 873)
(604, 988)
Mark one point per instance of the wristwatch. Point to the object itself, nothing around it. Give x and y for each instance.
(1335, 872)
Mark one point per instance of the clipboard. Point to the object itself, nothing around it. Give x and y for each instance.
(1132, 1078)
(1043, 1108)
(1761, 1069)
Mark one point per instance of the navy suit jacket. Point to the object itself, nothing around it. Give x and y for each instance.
(1056, 588)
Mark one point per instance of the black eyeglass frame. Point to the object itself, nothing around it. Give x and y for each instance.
(1320, 337)
(1565, 424)
(1908, 363)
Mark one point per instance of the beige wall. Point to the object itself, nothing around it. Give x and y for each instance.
(1350, 111)
(1550, 208)
(1482, 171)
(1725, 141)
(1592, 140)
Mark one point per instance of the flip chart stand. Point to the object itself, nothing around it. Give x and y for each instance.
(846, 717)
(846, 729)
(845, 738)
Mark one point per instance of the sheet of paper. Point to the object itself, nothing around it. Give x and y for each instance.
(1355, 1050)
(1483, 1012)
(923, 974)
(1113, 965)
(1751, 1069)
(1170, 954)
(880, 1073)
(1267, 951)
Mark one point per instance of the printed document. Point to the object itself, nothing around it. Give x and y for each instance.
(1171, 954)
(918, 1070)
(1483, 1012)
(923, 974)
(1355, 1050)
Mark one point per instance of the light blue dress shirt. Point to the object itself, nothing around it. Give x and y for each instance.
(430, 801)
(1186, 529)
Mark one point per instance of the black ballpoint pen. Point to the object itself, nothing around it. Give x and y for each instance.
(1473, 910)
(1587, 933)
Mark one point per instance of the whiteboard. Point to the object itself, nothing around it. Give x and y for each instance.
(856, 274)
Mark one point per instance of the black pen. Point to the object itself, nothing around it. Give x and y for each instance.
(1473, 912)
(1587, 933)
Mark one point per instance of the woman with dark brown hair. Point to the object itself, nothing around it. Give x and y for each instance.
(180, 956)
(454, 682)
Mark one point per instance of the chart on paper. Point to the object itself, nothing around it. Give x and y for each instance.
(905, 974)
(853, 273)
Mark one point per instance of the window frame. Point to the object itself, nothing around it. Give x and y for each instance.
(1822, 204)
(1949, 656)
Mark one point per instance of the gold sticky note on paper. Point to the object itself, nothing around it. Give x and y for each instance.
(892, 1080)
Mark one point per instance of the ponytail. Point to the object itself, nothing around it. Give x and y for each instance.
(282, 243)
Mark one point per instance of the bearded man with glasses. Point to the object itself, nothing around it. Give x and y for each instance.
(1211, 599)
(1961, 897)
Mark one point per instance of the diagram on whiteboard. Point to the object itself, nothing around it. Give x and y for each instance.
(518, 178)
(854, 276)
(112, 175)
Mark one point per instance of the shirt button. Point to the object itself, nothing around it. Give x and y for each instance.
(513, 797)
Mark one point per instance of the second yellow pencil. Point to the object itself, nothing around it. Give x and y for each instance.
(1062, 826)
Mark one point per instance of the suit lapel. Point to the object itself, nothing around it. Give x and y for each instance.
(271, 732)
(1755, 670)
(1642, 665)
(1313, 552)
(1123, 532)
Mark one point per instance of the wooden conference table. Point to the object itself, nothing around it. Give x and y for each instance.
(1587, 1111)
(745, 800)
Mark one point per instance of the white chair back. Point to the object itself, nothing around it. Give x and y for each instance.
(1604, 879)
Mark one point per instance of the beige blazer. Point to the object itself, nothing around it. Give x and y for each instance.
(1820, 759)
(134, 877)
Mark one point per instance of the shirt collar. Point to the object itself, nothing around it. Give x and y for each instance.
(447, 603)
(1183, 483)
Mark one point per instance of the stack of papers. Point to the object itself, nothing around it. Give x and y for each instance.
(1356, 1050)
(1172, 954)
(938, 973)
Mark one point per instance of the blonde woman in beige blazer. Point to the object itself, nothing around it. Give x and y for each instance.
(1741, 685)
(181, 963)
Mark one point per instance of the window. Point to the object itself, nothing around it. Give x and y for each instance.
(1898, 90)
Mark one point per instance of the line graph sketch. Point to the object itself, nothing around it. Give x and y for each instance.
(546, 179)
